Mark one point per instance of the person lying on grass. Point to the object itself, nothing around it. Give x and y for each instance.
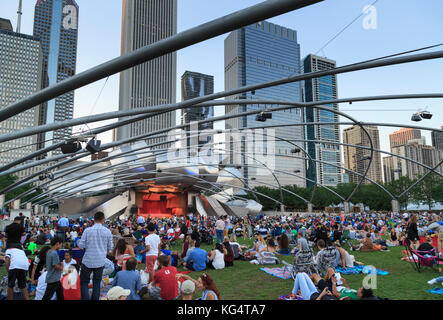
(305, 287)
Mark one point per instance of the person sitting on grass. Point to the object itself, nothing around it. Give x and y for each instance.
(165, 285)
(68, 261)
(205, 284)
(345, 260)
(267, 254)
(393, 238)
(217, 257)
(32, 246)
(117, 293)
(122, 252)
(197, 259)
(229, 254)
(187, 290)
(283, 244)
(172, 254)
(129, 279)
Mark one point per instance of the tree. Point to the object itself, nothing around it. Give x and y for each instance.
(428, 190)
(397, 187)
(7, 180)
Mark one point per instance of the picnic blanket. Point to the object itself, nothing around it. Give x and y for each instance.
(278, 272)
(358, 269)
(285, 297)
(436, 290)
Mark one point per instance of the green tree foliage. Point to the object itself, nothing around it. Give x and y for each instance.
(428, 191)
(6, 181)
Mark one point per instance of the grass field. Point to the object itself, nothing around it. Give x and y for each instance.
(245, 281)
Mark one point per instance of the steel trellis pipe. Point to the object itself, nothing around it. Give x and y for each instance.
(217, 27)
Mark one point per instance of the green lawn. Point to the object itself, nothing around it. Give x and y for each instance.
(245, 281)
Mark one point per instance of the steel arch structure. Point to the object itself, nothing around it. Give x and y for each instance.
(219, 26)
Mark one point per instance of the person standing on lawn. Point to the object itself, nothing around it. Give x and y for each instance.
(152, 250)
(54, 268)
(14, 232)
(219, 229)
(97, 242)
(17, 265)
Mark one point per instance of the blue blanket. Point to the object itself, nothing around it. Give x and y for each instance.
(358, 269)
(436, 290)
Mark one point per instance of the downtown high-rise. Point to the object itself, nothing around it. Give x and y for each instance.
(321, 89)
(56, 25)
(193, 85)
(356, 158)
(152, 83)
(255, 54)
(21, 62)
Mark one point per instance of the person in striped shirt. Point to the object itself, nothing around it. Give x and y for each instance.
(97, 242)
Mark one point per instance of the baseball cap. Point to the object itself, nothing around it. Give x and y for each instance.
(116, 292)
(187, 287)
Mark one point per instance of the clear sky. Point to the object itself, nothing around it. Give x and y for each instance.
(400, 25)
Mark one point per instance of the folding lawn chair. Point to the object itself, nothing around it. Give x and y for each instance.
(422, 258)
(303, 262)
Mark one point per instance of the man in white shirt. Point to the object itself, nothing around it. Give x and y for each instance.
(17, 265)
(152, 242)
(219, 229)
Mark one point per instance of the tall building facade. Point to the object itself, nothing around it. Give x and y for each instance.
(355, 157)
(56, 25)
(402, 136)
(320, 89)
(153, 83)
(396, 167)
(193, 85)
(21, 63)
(258, 53)
(437, 139)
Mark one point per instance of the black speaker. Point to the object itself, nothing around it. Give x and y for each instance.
(93, 146)
(70, 147)
(134, 209)
(163, 198)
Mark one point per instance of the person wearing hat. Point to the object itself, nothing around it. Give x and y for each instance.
(117, 293)
(187, 289)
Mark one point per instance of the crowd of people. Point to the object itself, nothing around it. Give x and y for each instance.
(77, 256)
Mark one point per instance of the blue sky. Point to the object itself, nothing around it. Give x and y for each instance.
(401, 25)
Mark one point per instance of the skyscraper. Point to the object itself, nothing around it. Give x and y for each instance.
(320, 89)
(356, 159)
(437, 139)
(56, 25)
(258, 53)
(152, 83)
(193, 85)
(21, 62)
(416, 150)
(403, 135)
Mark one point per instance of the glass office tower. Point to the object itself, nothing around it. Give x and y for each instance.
(254, 54)
(56, 25)
(21, 62)
(152, 83)
(193, 85)
(321, 89)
